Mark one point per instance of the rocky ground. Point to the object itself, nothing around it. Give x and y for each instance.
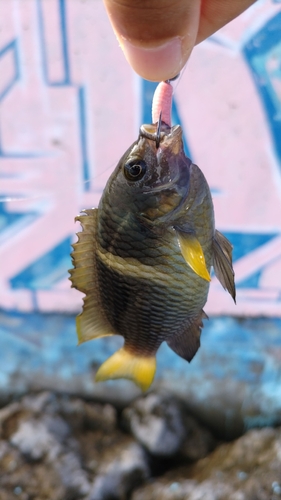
(60, 448)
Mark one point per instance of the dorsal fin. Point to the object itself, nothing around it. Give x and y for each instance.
(91, 323)
(222, 263)
(83, 276)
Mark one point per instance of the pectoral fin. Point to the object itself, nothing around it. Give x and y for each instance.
(123, 364)
(222, 263)
(193, 254)
(187, 342)
(91, 323)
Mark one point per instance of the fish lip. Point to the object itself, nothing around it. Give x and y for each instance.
(151, 132)
(155, 133)
(170, 134)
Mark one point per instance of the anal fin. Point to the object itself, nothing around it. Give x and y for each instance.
(123, 364)
(192, 253)
(187, 342)
(222, 262)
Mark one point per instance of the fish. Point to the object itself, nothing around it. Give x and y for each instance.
(143, 258)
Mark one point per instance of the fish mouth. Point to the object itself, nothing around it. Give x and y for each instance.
(162, 135)
(155, 132)
(160, 132)
(166, 142)
(170, 141)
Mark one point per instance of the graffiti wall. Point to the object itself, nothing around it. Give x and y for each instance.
(70, 106)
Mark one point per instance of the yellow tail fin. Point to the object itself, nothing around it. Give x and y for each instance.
(123, 364)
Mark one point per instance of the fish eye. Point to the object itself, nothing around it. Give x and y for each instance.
(134, 170)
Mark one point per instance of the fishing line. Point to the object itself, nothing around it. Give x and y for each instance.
(48, 193)
(176, 80)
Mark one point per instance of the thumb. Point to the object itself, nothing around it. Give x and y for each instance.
(156, 36)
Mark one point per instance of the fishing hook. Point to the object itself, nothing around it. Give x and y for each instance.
(158, 132)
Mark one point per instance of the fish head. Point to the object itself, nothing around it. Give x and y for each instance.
(152, 178)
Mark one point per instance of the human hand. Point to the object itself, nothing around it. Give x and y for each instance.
(157, 36)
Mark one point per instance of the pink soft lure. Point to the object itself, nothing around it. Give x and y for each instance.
(162, 103)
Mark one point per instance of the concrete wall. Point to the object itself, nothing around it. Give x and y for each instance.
(70, 106)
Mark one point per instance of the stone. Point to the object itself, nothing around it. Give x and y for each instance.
(164, 427)
(184, 490)
(89, 415)
(246, 469)
(62, 448)
(126, 469)
(34, 440)
(65, 449)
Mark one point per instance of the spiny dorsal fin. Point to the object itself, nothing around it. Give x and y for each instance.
(83, 276)
(222, 263)
(123, 364)
(91, 323)
(187, 342)
(192, 253)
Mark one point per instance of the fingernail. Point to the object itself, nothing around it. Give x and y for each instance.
(155, 63)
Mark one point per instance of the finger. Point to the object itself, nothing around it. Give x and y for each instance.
(217, 13)
(157, 36)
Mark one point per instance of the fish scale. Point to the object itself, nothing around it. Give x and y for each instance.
(171, 309)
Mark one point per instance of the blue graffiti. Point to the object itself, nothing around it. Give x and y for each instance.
(63, 32)
(12, 50)
(51, 267)
(46, 271)
(83, 138)
(66, 81)
(263, 54)
(18, 220)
